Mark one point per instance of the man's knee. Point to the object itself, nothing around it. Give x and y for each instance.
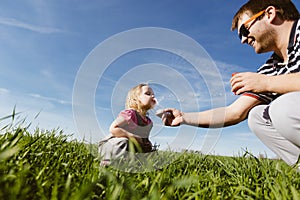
(257, 117)
(284, 111)
(286, 103)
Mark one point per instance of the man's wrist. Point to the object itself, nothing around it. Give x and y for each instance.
(182, 116)
(268, 81)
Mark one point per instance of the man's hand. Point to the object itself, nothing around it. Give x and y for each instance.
(172, 117)
(249, 82)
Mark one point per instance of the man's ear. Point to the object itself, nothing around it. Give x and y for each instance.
(271, 13)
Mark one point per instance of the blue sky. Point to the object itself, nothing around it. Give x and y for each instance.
(46, 44)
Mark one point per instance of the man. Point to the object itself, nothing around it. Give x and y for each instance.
(270, 98)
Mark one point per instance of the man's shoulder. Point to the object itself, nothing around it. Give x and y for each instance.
(275, 65)
(269, 66)
(298, 25)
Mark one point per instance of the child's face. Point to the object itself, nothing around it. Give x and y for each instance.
(147, 97)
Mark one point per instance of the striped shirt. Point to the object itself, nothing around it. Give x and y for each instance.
(275, 66)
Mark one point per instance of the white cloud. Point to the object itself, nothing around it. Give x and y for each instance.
(40, 111)
(35, 28)
(46, 74)
(51, 99)
(4, 91)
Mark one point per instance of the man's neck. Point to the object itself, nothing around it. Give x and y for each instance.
(283, 40)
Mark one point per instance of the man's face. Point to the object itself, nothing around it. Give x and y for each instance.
(258, 35)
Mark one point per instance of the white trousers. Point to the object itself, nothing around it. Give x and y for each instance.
(278, 126)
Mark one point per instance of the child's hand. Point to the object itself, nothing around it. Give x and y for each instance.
(144, 144)
(147, 145)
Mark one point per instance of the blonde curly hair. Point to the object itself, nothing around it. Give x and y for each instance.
(133, 102)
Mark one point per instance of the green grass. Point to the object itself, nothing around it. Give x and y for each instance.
(45, 164)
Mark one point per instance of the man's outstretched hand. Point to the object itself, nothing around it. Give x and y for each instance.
(171, 117)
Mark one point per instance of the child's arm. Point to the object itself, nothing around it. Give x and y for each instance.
(117, 130)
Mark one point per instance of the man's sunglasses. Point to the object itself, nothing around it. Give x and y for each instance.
(244, 32)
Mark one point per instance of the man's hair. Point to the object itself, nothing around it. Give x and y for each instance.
(286, 9)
